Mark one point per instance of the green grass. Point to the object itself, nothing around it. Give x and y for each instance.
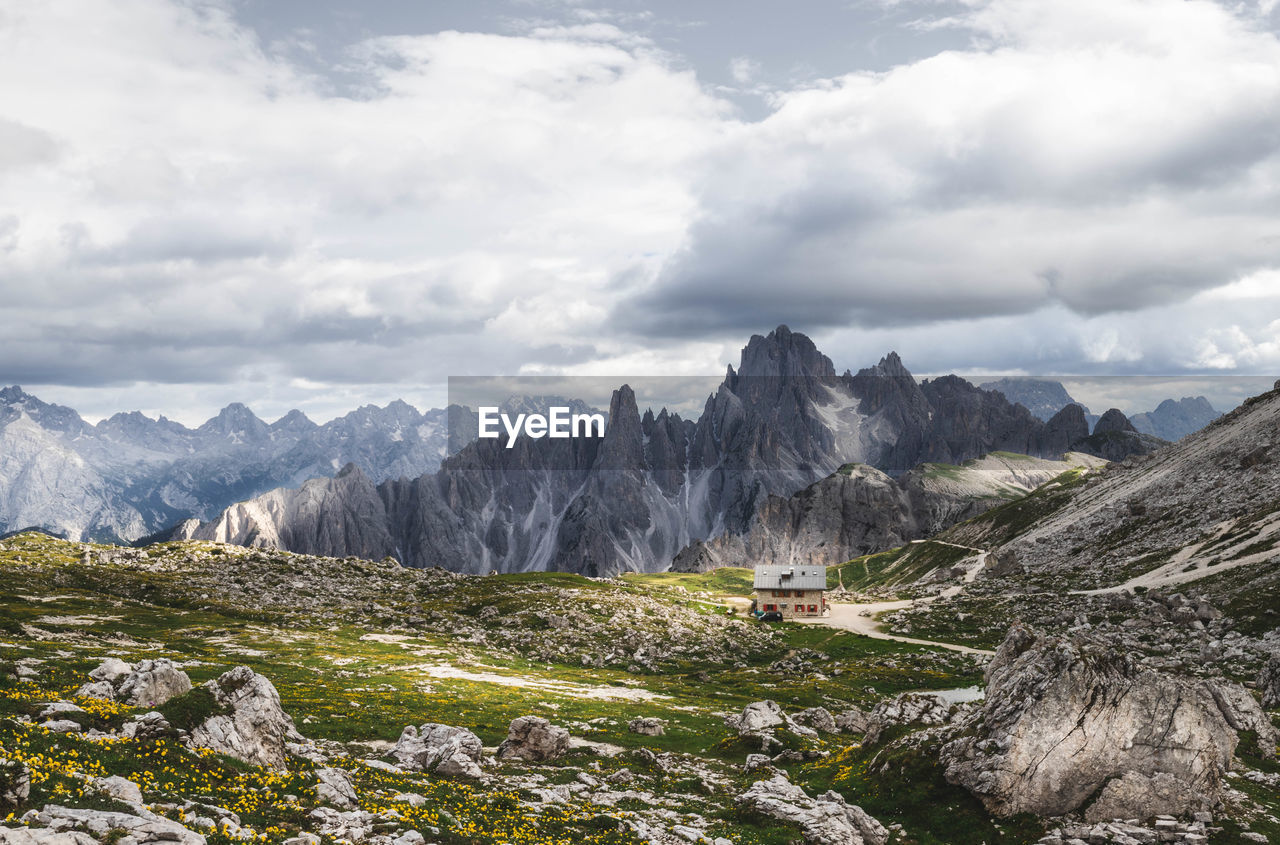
(722, 581)
(901, 781)
(1001, 524)
(895, 568)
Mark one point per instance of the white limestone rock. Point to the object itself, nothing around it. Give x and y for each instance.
(825, 820)
(252, 726)
(443, 749)
(151, 683)
(534, 738)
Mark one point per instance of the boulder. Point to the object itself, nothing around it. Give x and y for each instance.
(151, 683)
(442, 749)
(334, 787)
(1073, 725)
(1269, 683)
(97, 689)
(119, 788)
(141, 824)
(825, 820)
(818, 718)
(759, 717)
(111, 670)
(15, 783)
(150, 725)
(646, 726)
(906, 709)
(534, 738)
(250, 724)
(44, 836)
(853, 721)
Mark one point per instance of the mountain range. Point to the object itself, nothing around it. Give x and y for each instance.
(654, 484)
(131, 475)
(1171, 420)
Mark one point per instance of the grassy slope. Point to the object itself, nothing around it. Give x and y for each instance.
(344, 681)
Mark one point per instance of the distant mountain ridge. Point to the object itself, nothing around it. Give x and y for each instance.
(1171, 420)
(131, 475)
(654, 484)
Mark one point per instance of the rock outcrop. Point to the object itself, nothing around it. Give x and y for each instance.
(534, 738)
(250, 724)
(908, 708)
(1073, 725)
(1269, 683)
(761, 717)
(442, 749)
(825, 820)
(152, 682)
(141, 824)
(334, 787)
(646, 726)
(15, 783)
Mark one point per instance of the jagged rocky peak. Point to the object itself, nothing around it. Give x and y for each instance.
(782, 353)
(1113, 420)
(623, 445)
(293, 422)
(1067, 426)
(236, 421)
(14, 401)
(1173, 420)
(1043, 397)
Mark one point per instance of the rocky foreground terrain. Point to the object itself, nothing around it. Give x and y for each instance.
(199, 693)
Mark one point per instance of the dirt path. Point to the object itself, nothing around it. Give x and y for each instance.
(850, 617)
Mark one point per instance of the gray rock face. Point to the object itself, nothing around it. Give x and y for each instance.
(825, 820)
(1113, 420)
(143, 825)
(859, 510)
(1174, 420)
(130, 475)
(906, 709)
(15, 783)
(252, 726)
(119, 788)
(1063, 720)
(632, 500)
(442, 749)
(97, 689)
(152, 682)
(853, 721)
(1115, 438)
(762, 716)
(1042, 397)
(1269, 683)
(818, 718)
(334, 787)
(152, 725)
(534, 738)
(111, 669)
(646, 726)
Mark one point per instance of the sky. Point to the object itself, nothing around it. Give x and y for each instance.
(312, 204)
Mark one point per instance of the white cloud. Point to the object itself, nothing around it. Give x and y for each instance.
(1090, 184)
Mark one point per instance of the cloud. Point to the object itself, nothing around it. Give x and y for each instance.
(1106, 155)
(191, 206)
(1089, 184)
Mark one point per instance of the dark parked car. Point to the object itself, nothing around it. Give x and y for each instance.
(771, 616)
